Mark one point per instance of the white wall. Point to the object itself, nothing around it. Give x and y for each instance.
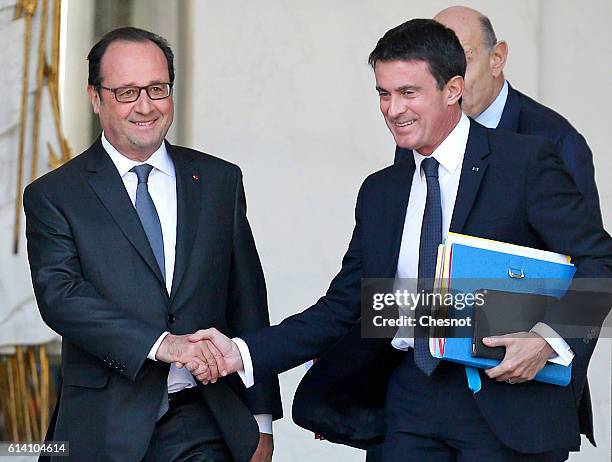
(576, 68)
(78, 20)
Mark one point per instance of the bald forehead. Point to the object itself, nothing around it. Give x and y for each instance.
(462, 13)
(464, 21)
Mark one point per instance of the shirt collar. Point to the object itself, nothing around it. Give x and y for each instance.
(450, 152)
(159, 160)
(491, 116)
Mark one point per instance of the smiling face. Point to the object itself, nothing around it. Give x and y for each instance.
(135, 129)
(419, 114)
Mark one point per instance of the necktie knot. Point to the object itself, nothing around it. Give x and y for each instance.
(430, 167)
(142, 172)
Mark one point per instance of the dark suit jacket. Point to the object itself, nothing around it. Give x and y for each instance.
(528, 117)
(98, 285)
(520, 193)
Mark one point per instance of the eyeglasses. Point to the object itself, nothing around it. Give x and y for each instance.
(131, 94)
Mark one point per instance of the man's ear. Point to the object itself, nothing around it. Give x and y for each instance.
(499, 54)
(454, 89)
(94, 95)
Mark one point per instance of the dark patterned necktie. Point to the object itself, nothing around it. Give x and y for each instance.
(148, 215)
(431, 238)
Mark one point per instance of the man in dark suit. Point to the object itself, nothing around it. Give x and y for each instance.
(460, 177)
(132, 245)
(491, 100)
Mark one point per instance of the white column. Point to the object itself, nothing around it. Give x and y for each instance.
(76, 108)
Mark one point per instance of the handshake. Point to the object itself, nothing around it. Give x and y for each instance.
(207, 354)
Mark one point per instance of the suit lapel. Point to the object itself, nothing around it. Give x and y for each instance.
(106, 182)
(511, 113)
(472, 172)
(188, 209)
(397, 199)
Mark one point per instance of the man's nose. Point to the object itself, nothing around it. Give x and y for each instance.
(143, 103)
(396, 107)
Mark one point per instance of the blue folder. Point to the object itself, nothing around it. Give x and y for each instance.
(474, 268)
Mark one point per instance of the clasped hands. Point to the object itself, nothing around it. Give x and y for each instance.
(207, 354)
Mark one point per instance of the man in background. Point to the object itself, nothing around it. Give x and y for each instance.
(491, 101)
(132, 245)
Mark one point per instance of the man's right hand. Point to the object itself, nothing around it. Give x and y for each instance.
(203, 354)
(227, 349)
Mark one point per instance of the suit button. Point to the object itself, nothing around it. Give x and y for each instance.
(171, 318)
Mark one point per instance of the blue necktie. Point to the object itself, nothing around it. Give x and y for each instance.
(148, 215)
(431, 238)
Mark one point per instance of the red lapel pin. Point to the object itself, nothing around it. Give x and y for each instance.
(196, 177)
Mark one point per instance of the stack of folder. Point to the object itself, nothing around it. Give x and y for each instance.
(518, 284)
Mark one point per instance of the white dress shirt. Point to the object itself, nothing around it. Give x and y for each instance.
(162, 188)
(450, 156)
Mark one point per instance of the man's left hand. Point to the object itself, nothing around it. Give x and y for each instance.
(263, 453)
(526, 354)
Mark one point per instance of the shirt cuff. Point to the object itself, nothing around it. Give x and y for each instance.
(264, 422)
(564, 354)
(401, 343)
(246, 373)
(156, 345)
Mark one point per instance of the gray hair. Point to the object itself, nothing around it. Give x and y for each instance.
(488, 33)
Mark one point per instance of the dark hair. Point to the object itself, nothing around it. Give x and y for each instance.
(125, 34)
(423, 40)
(488, 34)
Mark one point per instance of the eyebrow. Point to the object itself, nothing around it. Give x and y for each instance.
(408, 87)
(132, 84)
(400, 89)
